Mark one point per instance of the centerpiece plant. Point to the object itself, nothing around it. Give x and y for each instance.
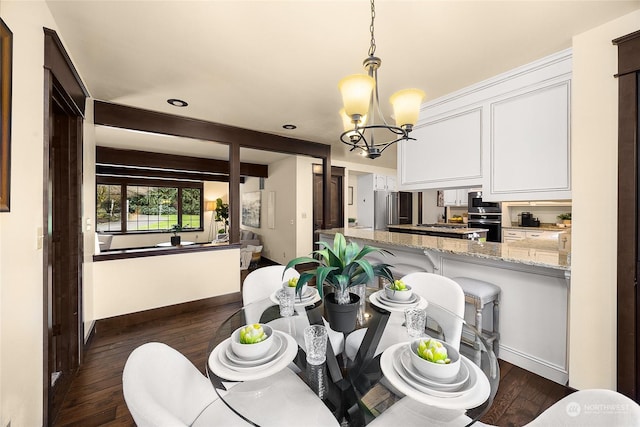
(342, 266)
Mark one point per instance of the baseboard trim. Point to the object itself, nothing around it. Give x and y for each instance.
(130, 319)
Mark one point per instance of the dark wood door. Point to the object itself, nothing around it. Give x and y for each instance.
(336, 219)
(405, 215)
(64, 247)
(628, 309)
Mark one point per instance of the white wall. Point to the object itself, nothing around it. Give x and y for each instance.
(352, 209)
(431, 212)
(594, 171)
(21, 272)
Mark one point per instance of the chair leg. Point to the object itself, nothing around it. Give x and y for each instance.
(479, 328)
(496, 326)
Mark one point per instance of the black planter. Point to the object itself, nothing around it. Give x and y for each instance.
(175, 240)
(342, 317)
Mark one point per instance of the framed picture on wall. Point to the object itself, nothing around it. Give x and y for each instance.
(251, 205)
(350, 195)
(6, 57)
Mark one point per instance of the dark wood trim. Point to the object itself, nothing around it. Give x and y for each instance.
(116, 180)
(145, 174)
(326, 192)
(628, 327)
(145, 159)
(234, 192)
(118, 323)
(161, 251)
(57, 60)
(152, 121)
(628, 53)
(6, 40)
(419, 208)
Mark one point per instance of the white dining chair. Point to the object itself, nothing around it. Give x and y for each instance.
(162, 388)
(434, 288)
(590, 408)
(259, 285)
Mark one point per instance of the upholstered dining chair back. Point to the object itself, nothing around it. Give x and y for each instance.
(163, 388)
(445, 293)
(258, 285)
(590, 408)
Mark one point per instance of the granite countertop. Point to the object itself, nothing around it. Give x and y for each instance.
(440, 229)
(543, 227)
(521, 251)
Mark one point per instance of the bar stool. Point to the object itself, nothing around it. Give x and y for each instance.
(479, 294)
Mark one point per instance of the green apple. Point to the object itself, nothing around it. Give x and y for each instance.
(252, 334)
(293, 282)
(433, 351)
(399, 285)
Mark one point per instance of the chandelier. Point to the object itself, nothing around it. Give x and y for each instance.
(361, 103)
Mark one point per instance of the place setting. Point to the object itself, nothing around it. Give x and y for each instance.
(397, 296)
(252, 352)
(308, 295)
(433, 372)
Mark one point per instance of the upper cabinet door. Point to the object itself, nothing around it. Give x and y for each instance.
(530, 145)
(446, 152)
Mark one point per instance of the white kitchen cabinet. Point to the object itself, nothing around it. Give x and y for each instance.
(459, 197)
(383, 182)
(446, 153)
(512, 235)
(510, 134)
(530, 145)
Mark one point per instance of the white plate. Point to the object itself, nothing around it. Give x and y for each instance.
(374, 299)
(276, 345)
(397, 365)
(289, 351)
(382, 296)
(473, 396)
(244, 368)
(452, 385)
(309, 297)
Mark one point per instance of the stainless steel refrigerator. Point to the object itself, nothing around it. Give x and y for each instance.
(386, 209)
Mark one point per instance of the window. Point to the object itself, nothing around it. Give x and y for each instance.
(147, 208)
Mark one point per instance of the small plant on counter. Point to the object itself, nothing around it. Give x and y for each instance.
(175, 229)
(565, 216)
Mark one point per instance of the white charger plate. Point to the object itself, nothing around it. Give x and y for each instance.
(473, 396)
(374, 299)
(276, 345)
(382, 296)
(289, 350)
(309, 297)
(451, 385)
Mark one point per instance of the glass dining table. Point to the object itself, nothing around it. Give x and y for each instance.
(367, 378)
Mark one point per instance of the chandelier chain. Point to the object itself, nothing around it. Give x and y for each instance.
(372, 48)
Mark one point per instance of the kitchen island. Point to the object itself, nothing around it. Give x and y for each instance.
(534, 279)
(441, 230)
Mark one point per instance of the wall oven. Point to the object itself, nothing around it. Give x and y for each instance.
(487, 215)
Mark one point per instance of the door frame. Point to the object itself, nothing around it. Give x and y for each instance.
(62, 85)
(628, 297)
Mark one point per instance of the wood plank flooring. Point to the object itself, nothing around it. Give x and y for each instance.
(95, 397)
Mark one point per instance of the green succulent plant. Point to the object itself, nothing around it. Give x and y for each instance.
(341, 266)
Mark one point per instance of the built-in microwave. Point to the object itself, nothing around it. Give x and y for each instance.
(477, 205)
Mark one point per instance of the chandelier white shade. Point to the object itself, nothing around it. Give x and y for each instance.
(360, 100)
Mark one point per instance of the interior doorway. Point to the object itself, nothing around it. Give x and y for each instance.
(628, 309)
(63, 337)
(64, 248)
(336, 219)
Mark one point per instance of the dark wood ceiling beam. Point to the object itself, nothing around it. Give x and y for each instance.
(114, 156)
(107, 171)
(123, 116)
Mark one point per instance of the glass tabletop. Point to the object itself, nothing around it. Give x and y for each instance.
(368, 376)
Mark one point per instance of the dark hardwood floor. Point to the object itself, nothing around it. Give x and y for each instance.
(95, 397)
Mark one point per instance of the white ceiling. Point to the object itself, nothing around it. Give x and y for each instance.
(261, 64)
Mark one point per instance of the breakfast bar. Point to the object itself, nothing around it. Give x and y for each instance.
(534, 278)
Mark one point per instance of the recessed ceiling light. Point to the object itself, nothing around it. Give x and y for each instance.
(177, 102)
(289, 127)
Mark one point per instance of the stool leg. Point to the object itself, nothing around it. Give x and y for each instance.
(479, 328)
(496, 326)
